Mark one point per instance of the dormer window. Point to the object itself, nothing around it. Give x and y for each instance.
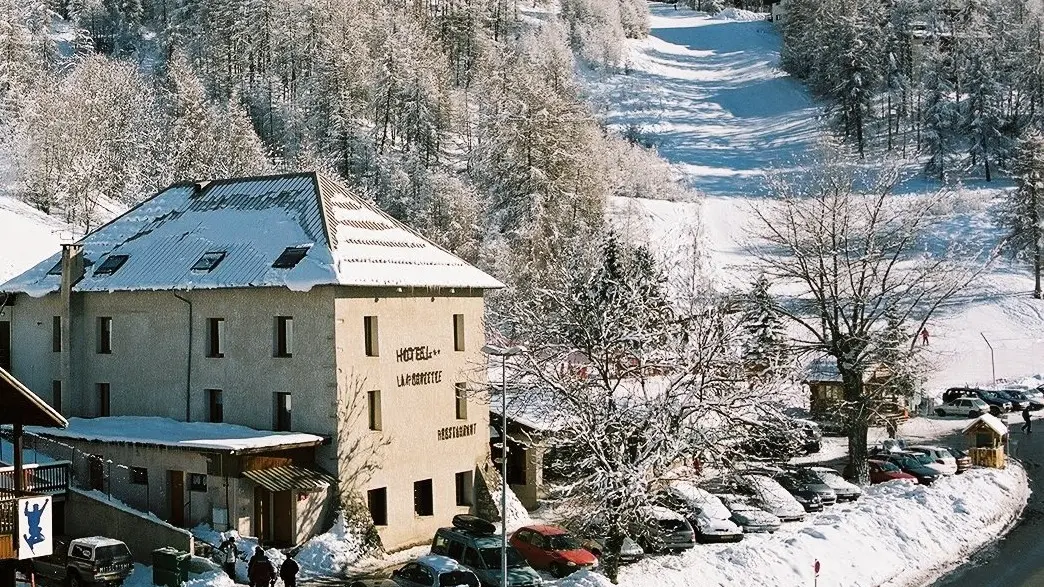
(111, 265)
(209, 261)
(290, 258)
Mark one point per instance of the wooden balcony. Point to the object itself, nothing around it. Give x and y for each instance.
(44, 479)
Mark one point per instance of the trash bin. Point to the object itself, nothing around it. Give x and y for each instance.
(170, 566)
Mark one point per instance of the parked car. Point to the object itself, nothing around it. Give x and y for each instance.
(96, 560)
(630, 551)
(667, 531)
(709, 518)
(970, 407)
(770, 496)
(1035, 400)
(553, 549)
(883, 471)
(944, 462)
(434, 571)
(1017, 405)
(963, 460)
(958, 392)
(471, 541)
(909, 463)
(807, 488)
(748, 517)
(844, 490)
(1002, 405)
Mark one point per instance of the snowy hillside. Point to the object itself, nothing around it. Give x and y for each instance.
(27, 236)
(707, 91)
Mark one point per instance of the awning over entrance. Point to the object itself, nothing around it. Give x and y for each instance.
(290, 477)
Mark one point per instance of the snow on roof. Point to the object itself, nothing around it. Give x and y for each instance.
(440, 564)
(990, 420)
(823, 369)
(172, 433)
(533, 409)
(253, 221)
(96, 541)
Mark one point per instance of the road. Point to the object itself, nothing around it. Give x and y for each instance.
(1018, 559)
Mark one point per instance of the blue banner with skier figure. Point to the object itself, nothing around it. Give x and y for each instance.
(34, 527)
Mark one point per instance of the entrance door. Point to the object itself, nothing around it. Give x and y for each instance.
(5, 346)
(177, 497)
(283, 517)
(263, 522)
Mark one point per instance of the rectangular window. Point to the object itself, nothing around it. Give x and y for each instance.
(139, 475)
(423, 504)
(215, 406)
(377, 501)
(215, 337)
(283, 407)
(284, 335)
(197, 482)
(103, 400)
(56, 395)
(373, 400)
(464, 488)
(56, 334)
(458, 332)
(370, 332)
(461, 393)
(104, 335)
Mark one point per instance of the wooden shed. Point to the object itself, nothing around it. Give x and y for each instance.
(987, 438)
(826, 393)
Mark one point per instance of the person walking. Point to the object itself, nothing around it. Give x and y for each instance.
(1027, 424)
(288, 572)
(924, 337)
(229, 552)
(260, 570)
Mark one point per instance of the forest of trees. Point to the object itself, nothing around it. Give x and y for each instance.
(956, 83)
(462, 118)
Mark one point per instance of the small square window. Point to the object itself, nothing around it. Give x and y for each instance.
(458, 332)
(197, 482)
(215, 337)
(139, 475)
(461, 395)
(377, 502)
(290, 257)
(284, 335)
(209, 261)
(56, 334)
(104, 335)
(423, 502)
(215, 406)
(464, 488)
(111, 264)
(370, 336)
(283, 411)
(373, 400)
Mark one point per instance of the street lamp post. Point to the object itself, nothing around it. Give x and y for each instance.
(503, 353)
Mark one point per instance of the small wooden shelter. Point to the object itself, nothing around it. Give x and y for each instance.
(987, 438)
(827, 394)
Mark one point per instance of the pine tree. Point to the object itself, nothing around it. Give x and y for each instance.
(765, 347)
(1024, 213)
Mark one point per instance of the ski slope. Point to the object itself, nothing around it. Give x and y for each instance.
(709, 94)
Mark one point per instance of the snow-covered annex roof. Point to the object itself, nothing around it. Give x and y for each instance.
(990, 420)
(153, 431)
(247, 224)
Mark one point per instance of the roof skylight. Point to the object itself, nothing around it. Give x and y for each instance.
(209, 261)
(290, 257)
(111, 264)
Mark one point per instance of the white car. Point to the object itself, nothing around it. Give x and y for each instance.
(748, 517)
(843, 489)
(969, 407)
(767, 494)
(710, 519)
(945, 462)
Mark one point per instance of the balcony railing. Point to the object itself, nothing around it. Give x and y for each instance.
(50, 479)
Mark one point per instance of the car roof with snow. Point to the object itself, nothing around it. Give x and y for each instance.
(96, 541)
(439, 563)
(662, 513)
(306, 230)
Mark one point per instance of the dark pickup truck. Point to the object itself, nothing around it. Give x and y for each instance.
(85, 561)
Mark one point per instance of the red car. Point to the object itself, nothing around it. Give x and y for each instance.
(882, 471)
(552, 548)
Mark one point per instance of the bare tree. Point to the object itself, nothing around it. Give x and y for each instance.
(632, 388)
(854, 256)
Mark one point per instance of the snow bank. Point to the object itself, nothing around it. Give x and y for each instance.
(583, 579)
(141, 576)
(330, 553)
(733, 13)
(898, 534)
(517, 515)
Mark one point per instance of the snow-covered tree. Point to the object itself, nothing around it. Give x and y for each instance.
(639, 390)
(853, 253)
(1023, 213)
(765, 346)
